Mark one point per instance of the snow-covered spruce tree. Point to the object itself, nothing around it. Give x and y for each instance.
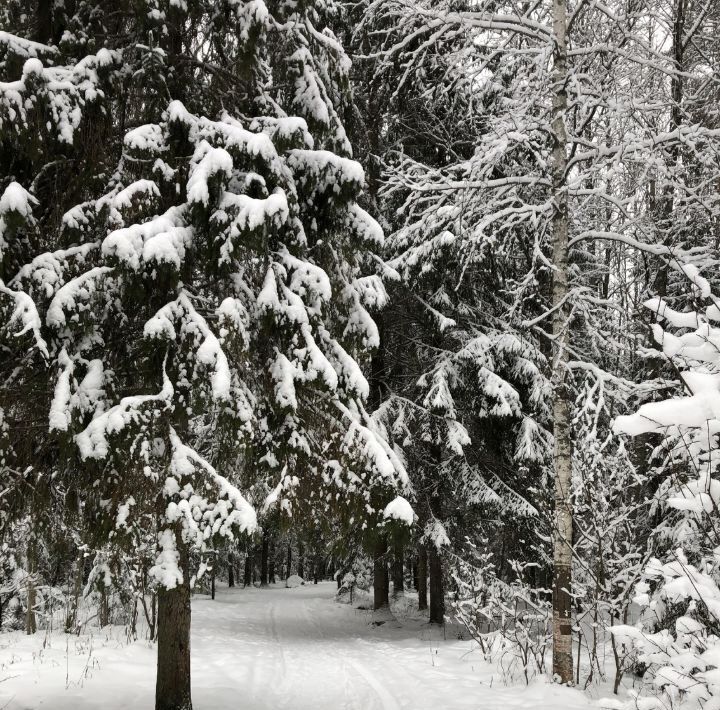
(43, 110)
(678, 635)
(33, 523)
(559, 158)
(463, 389)
(465, 408)
(206, 310)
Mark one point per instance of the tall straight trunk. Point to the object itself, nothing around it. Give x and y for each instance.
(247, 579)
(676, 111)
(71, 618)
(172, 689)
(301, 561)
(104, 607)
(134, 618)
(231, 571)
(436, 512)
(381, 580)
(178, 82)
(422, 577)
(271, 563)
(398, 570)
(30, 621)
(562, 454)
(288, 562)
(264, 559)
(663, 205)
(43, 30)
(212, 580)
(153, 615)
(437, 591)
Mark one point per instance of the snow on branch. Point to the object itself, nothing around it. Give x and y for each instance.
(25, 313)
(24, 48)
(93, 441)
(230, 512)
(371, 447)
(46, 272)
(193, 328)
(199, 516)
(63, 89)
(400, 509)
(241, 214)
(73, 294)
(163, 239)
(88, 395)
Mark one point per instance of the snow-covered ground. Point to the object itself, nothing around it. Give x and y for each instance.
(271, 649)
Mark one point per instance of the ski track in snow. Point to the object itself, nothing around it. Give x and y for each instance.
(270, 649)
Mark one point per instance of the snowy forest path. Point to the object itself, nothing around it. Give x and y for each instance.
(295, 649)
(270, 649)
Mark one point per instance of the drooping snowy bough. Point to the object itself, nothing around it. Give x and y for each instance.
(678, 635)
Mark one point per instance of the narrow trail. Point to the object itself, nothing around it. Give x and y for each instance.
(270, 649)
(296, 649)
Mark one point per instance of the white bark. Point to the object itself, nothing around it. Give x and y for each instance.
(562, 455)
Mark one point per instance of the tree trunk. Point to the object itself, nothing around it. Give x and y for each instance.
(30, 621)
(381, 580)
(422, 577)
(153, 612)
(247, 580)
(288, 562)
(172, 690)
(562, 454)
(437, 593)
(212, 579)
(43, 31)
(231, 571)
(104, 608)
(271, 563)
(301, 561)
(264, 559)
(133, 619)
(177, 83)
(71, 618)
(398, 571)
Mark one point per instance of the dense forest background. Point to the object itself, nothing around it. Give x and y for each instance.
(404, 294)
